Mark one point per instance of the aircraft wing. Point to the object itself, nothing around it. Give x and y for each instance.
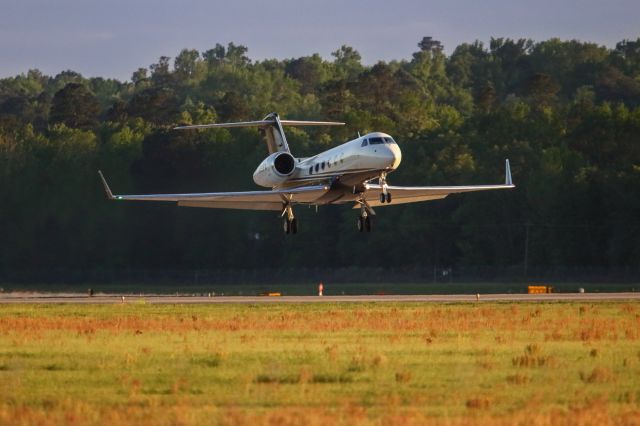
(414, 194)
(247, 200)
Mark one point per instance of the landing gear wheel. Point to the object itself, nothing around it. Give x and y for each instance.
(388, 197)
(290, 226)
(364, 224)
(382, 197)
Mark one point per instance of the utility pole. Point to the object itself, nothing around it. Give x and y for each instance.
(526, 248)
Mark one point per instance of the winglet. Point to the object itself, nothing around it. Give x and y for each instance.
(507, 174)
(106, 186)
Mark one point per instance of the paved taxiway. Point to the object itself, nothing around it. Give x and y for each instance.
(172, 299)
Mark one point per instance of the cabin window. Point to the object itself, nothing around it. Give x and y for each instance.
(376, 141)
(311, 170)
(317, 167)
(364, 143)
(323, 165)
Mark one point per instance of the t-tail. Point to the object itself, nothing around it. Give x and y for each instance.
(271, 127)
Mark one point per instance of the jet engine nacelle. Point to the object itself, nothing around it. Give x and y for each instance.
(275, 169)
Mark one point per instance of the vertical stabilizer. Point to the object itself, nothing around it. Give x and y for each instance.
(274, 134)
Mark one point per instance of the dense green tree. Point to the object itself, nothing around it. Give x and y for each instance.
(347, 62)
(160, 72)
(156, 104)
(542, 89)
(233, 107)
(75, 106)
(428, 44)
(566, 114)
(140, 76)
(186, 63)
(231, 55)
(627, 54)
(310, 71)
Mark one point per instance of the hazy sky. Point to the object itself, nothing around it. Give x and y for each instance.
(112, 38)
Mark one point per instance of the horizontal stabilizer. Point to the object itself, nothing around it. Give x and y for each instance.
(310, 123)
(271, 127)
(261, 123)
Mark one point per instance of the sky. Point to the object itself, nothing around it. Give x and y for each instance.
(113, 38)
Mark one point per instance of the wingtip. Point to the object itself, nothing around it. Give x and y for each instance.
(507, 174)
(107, 190)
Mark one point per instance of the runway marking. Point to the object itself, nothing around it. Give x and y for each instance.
(442, 298)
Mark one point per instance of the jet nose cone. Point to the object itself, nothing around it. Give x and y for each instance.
(395, 156)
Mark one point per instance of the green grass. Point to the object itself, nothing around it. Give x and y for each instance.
(320, 363)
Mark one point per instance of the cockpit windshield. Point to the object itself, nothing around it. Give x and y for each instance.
(378, 141)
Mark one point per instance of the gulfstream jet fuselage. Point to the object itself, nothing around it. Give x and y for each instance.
(343, 174)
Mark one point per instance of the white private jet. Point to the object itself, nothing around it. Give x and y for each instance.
(340, 175)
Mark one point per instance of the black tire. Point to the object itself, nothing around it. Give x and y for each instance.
(360, 224)
(382, 197)
(294, 226)
(388, 197)
(367, 223)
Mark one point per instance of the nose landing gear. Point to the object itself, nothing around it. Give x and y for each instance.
(290, 226)
(385, 195)
(364, 223)
(364, 220)
(290, 223)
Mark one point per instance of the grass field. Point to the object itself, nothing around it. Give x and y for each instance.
(554, 363)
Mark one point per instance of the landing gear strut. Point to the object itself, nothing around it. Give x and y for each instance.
(364, 220)
(385, 195)
(290, 223)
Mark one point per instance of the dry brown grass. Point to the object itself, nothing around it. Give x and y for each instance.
(454, 364)
(597, 375)
(518, 379)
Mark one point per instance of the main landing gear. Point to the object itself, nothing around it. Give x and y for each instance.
(385, 198)
(385, 195)
(364, 220)
(290, 223)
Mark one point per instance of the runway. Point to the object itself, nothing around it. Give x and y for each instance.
(13, 298)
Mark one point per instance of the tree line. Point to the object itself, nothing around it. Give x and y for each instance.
(566, 114)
